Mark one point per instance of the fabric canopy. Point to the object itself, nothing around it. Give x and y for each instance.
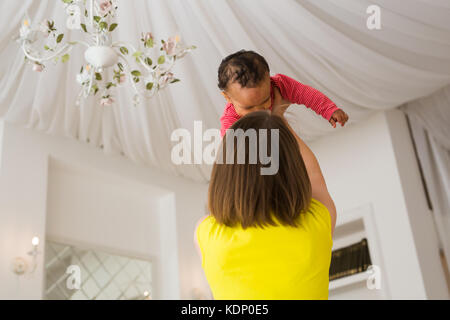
(325, 44)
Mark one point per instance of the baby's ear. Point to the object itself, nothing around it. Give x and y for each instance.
(226, 96)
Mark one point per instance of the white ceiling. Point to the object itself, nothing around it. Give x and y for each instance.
(322, 43)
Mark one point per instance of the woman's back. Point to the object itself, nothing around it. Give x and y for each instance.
(274, 262)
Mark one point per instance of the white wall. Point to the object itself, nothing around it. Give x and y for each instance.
(93, 210)
(372, 162)
(24, 175)
(368, 163)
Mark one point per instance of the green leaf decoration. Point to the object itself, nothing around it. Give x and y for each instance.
(149, 43)
(137, 54)
(148, 61)
(124, 50)
(46, 47)
(103, 25)
(109, 85)
(136, 73)
(98, 76)
(83, 26)
(120, 66)
(161, 59)
(175, 80)
(112, 27)
(67, 1)
(149, 86)
(65, 58)
(60, 37)
(97, 19)
(136, 79)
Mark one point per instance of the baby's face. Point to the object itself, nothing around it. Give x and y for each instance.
(246, 100)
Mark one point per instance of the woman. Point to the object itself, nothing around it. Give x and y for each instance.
(267, 236)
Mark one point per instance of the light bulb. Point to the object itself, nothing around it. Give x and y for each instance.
(146, 293)
(35, 241)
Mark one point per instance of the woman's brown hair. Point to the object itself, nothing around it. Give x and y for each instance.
(240, 194)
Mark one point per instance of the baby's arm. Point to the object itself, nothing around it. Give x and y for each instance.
(300, 93)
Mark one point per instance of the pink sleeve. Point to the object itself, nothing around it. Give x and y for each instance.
(300, 93)
(228, 118)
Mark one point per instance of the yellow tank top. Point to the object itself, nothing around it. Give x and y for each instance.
(270, 263)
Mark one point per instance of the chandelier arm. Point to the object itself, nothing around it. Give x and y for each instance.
(80, 94)
(129, 71)
(119, 43)
(84, 43)
(91, 11)
(91, 77)
(171, 65)
(94, 10)
(67, 47)
(146, 66)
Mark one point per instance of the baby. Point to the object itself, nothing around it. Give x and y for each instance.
(246, 84)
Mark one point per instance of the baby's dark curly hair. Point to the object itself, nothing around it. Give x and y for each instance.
(247, 68)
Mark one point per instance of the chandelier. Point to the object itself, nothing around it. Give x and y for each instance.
(147, 68)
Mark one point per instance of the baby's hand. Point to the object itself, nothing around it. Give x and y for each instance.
(338, 116)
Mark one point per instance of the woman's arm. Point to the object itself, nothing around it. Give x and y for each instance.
(318, 185)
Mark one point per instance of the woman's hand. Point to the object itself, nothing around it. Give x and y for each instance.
(280, 105)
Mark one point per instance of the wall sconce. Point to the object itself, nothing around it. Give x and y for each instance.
(20, 265)
(147, 295)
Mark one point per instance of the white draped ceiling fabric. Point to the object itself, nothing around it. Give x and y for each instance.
(322, 43)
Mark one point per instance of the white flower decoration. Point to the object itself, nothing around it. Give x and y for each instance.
(84, 76)
(38, 67)
(106, 101)
(165, 79)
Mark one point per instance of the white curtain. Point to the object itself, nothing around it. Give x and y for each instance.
(430, 124)
(322, 43)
